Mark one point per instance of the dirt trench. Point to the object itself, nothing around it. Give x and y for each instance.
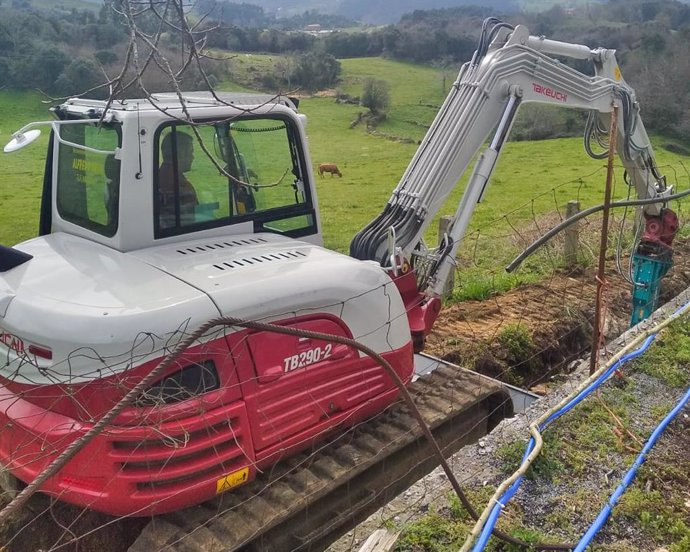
(535, 332)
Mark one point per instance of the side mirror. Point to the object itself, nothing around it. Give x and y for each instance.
(21, 139)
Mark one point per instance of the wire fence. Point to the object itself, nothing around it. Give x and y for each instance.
(204, 435)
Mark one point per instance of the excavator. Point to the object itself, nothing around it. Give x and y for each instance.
(162, 213)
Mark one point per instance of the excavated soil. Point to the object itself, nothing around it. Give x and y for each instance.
(556, 315)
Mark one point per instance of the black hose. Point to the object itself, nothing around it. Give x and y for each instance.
(582, 214)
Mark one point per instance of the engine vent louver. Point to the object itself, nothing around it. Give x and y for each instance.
(258, 259)
(220, 245)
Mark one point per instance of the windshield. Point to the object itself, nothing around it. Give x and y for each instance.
(88, 184)
(231, 172)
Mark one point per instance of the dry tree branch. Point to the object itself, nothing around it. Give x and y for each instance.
(166, 16)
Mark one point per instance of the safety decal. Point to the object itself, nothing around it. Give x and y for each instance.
(232, 480)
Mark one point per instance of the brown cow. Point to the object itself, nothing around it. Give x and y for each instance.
(329, 168)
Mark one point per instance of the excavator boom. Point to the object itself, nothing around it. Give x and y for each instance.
(509, 68)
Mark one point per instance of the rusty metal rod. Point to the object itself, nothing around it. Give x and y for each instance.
(601, 273)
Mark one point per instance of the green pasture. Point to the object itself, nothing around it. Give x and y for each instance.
(530, 188)
(65, 5)
(416, 92)
(527, 194)
(21, 173)
(247, 69)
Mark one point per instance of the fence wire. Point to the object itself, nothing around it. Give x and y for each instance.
(185, 427)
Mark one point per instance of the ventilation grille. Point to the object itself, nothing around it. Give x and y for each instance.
(220, 245)
(188, 452)
(268, 258)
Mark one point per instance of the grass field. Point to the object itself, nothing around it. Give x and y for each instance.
(416, 91)
(21, 173)
(532, 180)
(66, 5)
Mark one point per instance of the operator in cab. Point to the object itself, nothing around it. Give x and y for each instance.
(177, 151)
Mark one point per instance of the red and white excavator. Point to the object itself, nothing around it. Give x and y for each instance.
(144, 237)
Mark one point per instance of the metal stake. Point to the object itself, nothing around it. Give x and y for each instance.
(601, 274)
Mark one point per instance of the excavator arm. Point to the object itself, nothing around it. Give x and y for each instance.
(509, 68)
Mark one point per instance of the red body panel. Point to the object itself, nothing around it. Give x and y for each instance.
(163, 458)
(422, 311)
(88, 402)
(129, 470)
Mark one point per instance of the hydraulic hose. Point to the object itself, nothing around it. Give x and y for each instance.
(582, 214)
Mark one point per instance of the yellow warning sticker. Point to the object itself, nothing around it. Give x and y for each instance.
(232, 480)
(617, 73)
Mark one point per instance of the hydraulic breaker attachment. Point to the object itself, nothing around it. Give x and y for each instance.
(648, 270)
(651, 261)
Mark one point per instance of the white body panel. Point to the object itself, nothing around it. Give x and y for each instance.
(101, 311)
(277, 277)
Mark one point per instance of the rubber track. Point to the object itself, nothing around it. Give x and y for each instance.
(308, 501)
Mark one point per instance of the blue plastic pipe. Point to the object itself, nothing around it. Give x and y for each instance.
(630, 475)
(508, 494)
(597, 382)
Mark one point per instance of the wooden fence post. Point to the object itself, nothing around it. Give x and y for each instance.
(572, 235)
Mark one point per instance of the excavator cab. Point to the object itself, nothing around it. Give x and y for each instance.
(236, 164)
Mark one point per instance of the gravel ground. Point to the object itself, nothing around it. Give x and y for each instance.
(478, 465)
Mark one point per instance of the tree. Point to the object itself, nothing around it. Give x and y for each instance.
(5, 69)
(82, 74)
(315, 70)
(351, 44)
(376, 95)
(105, 57)
(39, 67)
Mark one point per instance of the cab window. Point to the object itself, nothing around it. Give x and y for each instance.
(228, 172)
(88, 182)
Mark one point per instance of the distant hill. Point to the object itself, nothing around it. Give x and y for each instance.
(377, 12)
(55, 5)
(390, 11)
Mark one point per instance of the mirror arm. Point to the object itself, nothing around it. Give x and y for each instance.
(19, 138)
